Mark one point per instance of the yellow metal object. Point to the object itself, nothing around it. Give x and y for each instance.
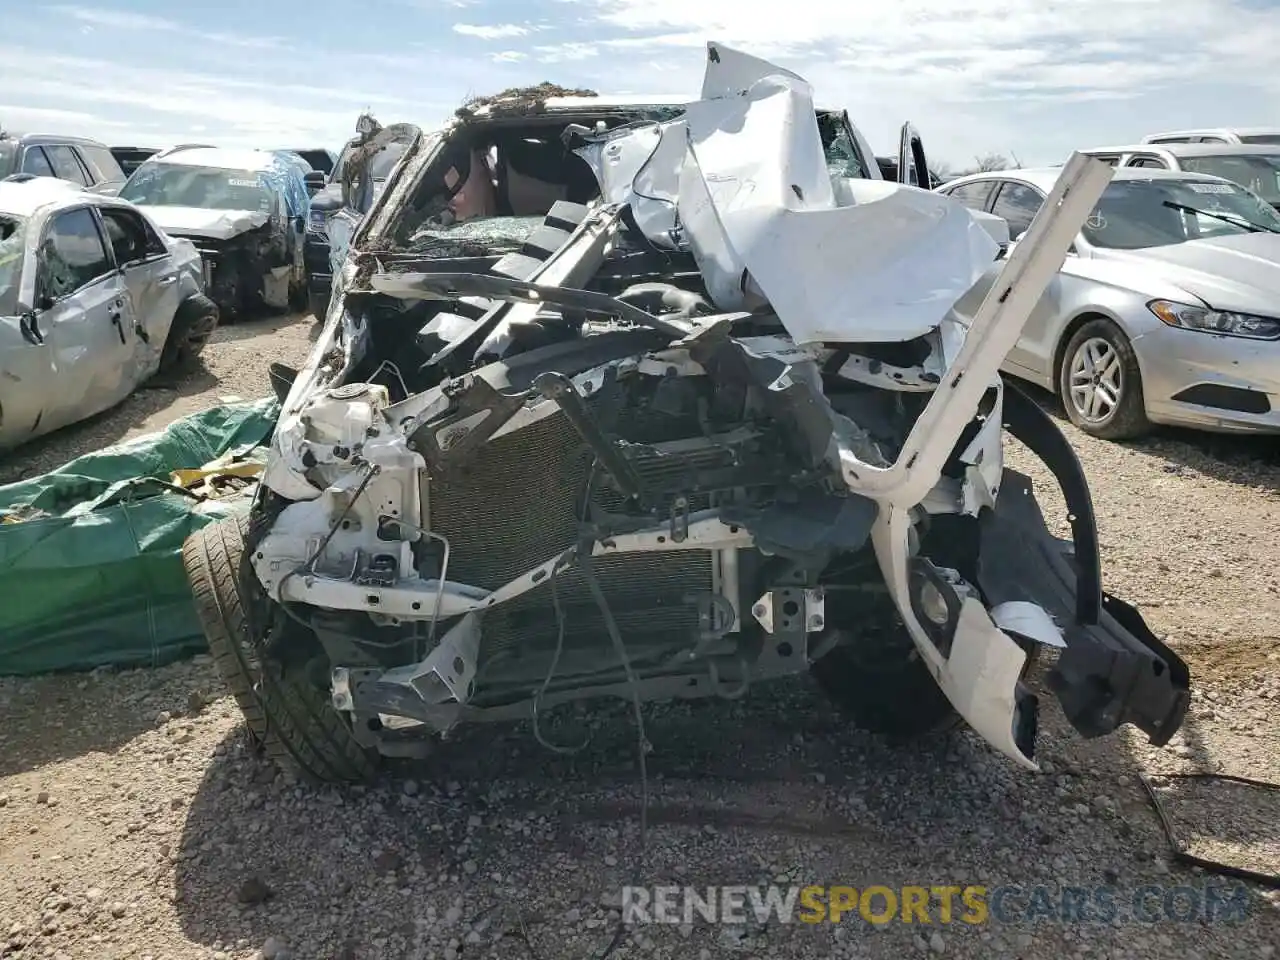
(213, 480)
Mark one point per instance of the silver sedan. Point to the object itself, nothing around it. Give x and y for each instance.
(1166, 310)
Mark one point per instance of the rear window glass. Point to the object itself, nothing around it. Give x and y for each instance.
(108, 169)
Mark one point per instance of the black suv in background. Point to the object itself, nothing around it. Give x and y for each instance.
(82, 161)
(321, 159)
(326, 200)
(131, 158)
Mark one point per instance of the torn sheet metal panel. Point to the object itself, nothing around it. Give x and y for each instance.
(642, 161)
(1028, 620)
(729, 72)
(981, 671)
(994, 330)
(857, 260)
(208, 223)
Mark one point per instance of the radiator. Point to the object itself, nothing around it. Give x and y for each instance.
(516, 505)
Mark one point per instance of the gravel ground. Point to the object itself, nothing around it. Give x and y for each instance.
(136, 822)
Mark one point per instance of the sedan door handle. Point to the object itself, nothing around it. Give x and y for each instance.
(115, 318)
(165, 281)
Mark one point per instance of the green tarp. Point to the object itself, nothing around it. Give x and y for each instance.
(91, 553)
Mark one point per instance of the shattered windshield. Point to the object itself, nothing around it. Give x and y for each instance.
(839, 148)
(482, 236)
(1260, 173)
(210, 188)
(1136, 214)
(11, 246)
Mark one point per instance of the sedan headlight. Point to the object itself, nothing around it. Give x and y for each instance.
(1215, 321)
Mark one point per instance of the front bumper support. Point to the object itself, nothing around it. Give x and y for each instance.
(1114, 670)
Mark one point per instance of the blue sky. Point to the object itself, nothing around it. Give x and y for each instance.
(1032, 78)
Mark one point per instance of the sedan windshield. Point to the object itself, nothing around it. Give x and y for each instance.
(1260, 173)
(11, 247)
(210, 188)
(1135, 214)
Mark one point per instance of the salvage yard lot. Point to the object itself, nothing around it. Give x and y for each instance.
(135, 823)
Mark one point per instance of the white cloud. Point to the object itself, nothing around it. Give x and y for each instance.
(114, 97)
(124, 20)
(1031, 77)
(970, 72)
(984, 44)
(19, 117)
(498, 31)
(567, 52)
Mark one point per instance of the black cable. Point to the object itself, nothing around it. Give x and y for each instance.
(551, 671)
(615, 636)
(1180, 853)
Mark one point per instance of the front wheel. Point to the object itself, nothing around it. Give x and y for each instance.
(287, 711)
(877, 679)
(1100, 384)
(193, 324)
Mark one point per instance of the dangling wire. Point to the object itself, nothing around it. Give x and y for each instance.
(551, 671)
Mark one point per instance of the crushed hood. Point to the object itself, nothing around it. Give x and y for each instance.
(742, 179)
(1239, 272)
(199, 222)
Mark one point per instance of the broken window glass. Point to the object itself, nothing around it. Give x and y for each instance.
(12, 242)
(840, 149)
(72, 255)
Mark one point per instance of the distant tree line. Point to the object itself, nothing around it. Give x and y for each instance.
(986, 163)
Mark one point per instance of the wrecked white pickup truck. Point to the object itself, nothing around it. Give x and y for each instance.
(648, 402)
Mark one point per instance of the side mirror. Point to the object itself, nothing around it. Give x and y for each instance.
(315, 182)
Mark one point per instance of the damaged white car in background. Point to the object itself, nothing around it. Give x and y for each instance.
(650, 401)
(95, 300)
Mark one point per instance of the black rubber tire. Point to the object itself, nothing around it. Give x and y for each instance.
(288, 715)
(318, 306)
(901, 702)
(299, 296)
(212, 557)
(1129, 419)
(193, 324)
(897, 697)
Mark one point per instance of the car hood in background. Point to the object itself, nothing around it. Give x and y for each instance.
(1240, 272)
(199, 222)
